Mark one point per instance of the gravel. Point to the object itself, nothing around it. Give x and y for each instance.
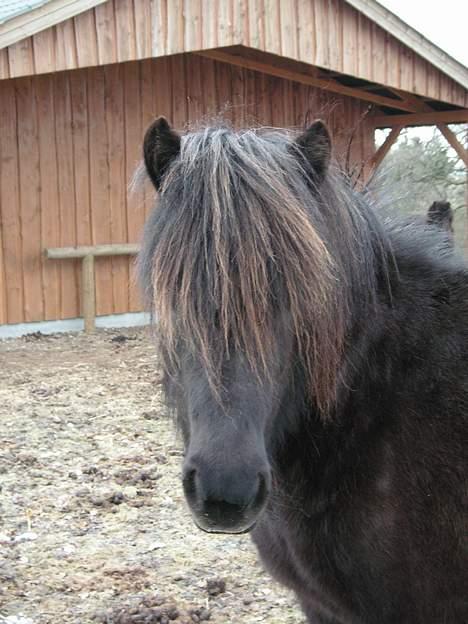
(93, 523)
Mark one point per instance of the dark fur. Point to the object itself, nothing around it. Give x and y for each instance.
(366, 512)
(440, 213)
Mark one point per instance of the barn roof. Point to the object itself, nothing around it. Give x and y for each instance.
(12, 8)
(354, 47)
(22, 18)
(412, 38)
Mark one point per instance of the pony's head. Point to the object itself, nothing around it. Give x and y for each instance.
(440, 213)
(247, 298)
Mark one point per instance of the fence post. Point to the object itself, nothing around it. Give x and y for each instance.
(88, 297)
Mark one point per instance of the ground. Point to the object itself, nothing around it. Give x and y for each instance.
(93, 524)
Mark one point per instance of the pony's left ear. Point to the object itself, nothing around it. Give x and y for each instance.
(160, 146)
(315, 144)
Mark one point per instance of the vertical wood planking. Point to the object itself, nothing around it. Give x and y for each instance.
(66, 192)
(335, 38)
(364, 48)
(223, 84)
(256, 20)
(289, 35)
(142, 16)
(175, 27)
(307, 32)
(350, 40)
(209, 98)
(4, 68)
(106, 33)
(81, 139)
(378, 68)
(321, 34)
(250, 98)
(133, 141)
(192, 25)
(327, 33)
(125, 31)
(44, 51)
(209, 9)
(49, 194)
(89, 144)
(21, 58)
(163, 87)
(86, 39)
(179, 91)
(264, 112)
(420, 75)
(240, 22)
(100, 186)
(65, 47)
(194, 91)
(225, 23)
(159, 27)
(406, 68)
(117, 181)
(392, 63)
(237, 91)
(272, 26)
(10, 203)
(29, 187)
(146, 195)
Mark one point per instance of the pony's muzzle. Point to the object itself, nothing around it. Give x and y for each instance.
(225, 501)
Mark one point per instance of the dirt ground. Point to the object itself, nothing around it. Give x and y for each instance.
(93, 524)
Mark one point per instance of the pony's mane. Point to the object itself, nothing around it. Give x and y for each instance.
(242, 233)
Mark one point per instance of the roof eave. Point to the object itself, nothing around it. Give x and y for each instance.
(413, 39)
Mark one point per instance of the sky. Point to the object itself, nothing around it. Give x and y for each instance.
(444, 22)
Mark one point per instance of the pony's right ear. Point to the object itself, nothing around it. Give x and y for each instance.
(160, 146)
(315, 144)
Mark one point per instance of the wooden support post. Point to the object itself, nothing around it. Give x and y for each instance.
(426, 116)
(452, 140)
(328, 84)
(88, 293)
(88, 288)
(380, 154)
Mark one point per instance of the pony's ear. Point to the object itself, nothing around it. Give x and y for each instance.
(315, 144)
(160, 146)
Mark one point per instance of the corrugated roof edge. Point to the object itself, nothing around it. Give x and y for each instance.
(41, 17)
(8, 11)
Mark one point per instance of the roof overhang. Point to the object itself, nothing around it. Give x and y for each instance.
(390, 107)
(412, 38)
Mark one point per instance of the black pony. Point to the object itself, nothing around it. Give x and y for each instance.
(316, 358)
(440, 213)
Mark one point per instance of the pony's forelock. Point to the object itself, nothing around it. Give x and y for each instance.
(237, 238)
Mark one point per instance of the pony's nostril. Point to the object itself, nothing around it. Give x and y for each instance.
(189, 481)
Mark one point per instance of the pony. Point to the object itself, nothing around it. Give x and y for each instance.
(440, 213)
(315, 358)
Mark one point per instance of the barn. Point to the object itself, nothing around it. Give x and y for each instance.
(81, 79)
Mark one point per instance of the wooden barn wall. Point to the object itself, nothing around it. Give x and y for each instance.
(70, 143)
(327, 33)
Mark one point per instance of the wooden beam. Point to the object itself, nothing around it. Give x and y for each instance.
(454, 142)
(302, 78)
(427, 118)
(87, 255)
(121, 249)
(88, 290)
(380, 154)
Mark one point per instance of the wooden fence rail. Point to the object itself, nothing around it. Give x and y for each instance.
(87, 255)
